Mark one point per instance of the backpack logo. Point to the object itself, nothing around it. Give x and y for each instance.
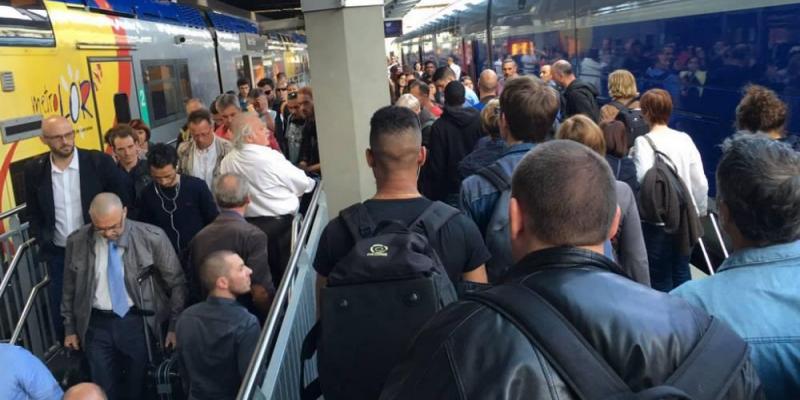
(378, 250)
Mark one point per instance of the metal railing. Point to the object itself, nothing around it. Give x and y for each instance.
(276, 361)
(25, 315)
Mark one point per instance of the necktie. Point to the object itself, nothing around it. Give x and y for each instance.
(116, 281)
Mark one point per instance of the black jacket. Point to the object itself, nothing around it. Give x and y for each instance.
(581, 98)
(98, 174)
(624, 170)
(468, 351)
(453, 136)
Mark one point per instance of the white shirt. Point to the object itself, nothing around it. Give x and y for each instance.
(680, 148)
(66, 199)
(204, 161)
(456, 70)
(275, 184)
(102, 296)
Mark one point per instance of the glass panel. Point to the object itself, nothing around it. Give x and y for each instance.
(160, 72)
(186, 83)
(25, 23)
(162, 99)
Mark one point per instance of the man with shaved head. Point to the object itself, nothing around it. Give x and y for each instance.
(487, 88)
(275, 185)
(103, 303)
(59, 185)
(85, 391)
(579, 97)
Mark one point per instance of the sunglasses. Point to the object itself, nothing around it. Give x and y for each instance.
(282, 89)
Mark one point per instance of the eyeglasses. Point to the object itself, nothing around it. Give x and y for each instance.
(65, 137)
(282, 89)
(111, 228)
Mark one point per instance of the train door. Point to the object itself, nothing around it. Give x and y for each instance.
(115, 96)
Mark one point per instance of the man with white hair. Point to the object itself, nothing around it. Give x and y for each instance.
(410, 102)
(275, 185)
(106, 262)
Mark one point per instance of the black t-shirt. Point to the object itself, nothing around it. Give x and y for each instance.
(458, 243)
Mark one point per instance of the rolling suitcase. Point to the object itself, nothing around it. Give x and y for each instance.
(168, 381)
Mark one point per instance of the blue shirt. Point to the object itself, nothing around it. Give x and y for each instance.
(470, 97)
(25, 377)
(756, 293)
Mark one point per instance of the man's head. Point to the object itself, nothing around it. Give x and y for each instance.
(421, 91)
(199, 125)
(454, 94)
(410, 102)
(293, 105)
(193, 104)
(228, 107)
(59, 136)
(268, 87)
(395, 143)
(546, 73)
(487, 83)
(224, 274)
(442, 77)
(108, 215)
(562, 73)
(231, 190)
(163, 159)
(563, 194)
(244, 87)
(122, 141)
(248, 128)
(85, 391)
(259, 100)
(528, 108)
(758, 191)
(509, 69)
(282, 89)
(305, 102)
(430, 67)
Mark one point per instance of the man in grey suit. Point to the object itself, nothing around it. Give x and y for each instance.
(102, 302)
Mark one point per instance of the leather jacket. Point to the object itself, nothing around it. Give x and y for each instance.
(468, 351)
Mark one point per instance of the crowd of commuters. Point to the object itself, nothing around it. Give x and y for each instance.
(550, 199)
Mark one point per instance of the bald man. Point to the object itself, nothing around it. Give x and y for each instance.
(487, 87)
(107, 261)
(59, 186)
(275, 185)
(85, 391)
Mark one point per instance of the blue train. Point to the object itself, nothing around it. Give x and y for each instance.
(702, 52)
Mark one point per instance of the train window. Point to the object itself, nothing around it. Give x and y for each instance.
(167, 83)
(25, 23)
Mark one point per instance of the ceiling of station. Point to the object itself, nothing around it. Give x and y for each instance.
(285, 9)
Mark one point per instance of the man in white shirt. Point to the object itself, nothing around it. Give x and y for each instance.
(59, 185)
(201, 156)
(275, 185)
(451, 62)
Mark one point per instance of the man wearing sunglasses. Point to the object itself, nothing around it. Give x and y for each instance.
(59, 185)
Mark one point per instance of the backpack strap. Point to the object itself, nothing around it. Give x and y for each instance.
(575, 360)
(358, 221)
(659, 153)
(496, 176)
(619, 106)
(433, 218)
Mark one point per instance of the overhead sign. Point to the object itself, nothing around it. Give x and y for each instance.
(393, 27)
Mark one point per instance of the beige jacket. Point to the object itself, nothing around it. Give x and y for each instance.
(186, 156)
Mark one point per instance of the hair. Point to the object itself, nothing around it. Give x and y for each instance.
(242, 81)
(409, 101)
(622, 85)
(265, 82)
(563, 67)
(616, 137)
(566, 192)
(104, 203)
(529, 107)
(656, 106)
(306, 91)
(138, 124)
(281, 75)
(758, 180)
(489, 118)
(391, 122)
(120, 131)
(443, 73)
(255, 93)
(198, 116)
(423, 87)
(215, 266)
(213, 107)
(582, 129)
(227, 100)
(231, 190)
(760, 110)
(242, 129)
(430, 62)
(454, 94)
(161, 155)
(509, 61)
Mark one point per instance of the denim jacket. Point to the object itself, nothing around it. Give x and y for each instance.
(478, 195)
(756, 292)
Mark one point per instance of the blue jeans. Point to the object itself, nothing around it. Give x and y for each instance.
(668, 268)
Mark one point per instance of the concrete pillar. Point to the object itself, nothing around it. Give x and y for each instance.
(348, 77)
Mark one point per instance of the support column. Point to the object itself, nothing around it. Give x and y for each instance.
(348, 77)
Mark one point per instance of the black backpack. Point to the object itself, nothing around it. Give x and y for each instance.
(706, 374)
(635, 125)
(377, 297)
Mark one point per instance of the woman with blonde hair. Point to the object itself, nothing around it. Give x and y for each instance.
(628, 245)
